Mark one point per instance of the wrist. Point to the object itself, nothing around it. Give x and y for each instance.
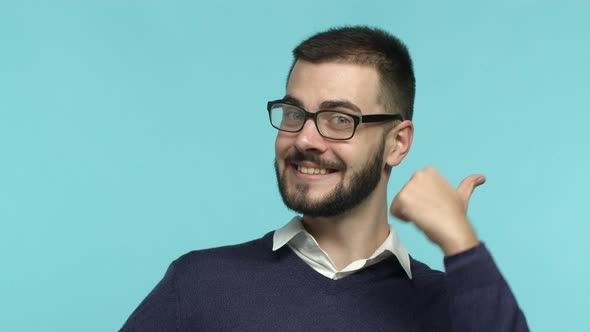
(458, 248)
(461, 241)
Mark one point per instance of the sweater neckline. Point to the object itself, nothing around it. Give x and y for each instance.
(387, 268)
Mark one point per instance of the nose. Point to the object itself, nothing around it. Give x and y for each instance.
(309, 139)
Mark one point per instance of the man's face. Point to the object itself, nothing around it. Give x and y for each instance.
(322, 177)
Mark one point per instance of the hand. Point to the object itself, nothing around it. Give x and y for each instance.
(439, 210)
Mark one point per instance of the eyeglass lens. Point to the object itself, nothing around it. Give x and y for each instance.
(331, 124)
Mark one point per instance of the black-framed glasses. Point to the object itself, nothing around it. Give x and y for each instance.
(335, 125)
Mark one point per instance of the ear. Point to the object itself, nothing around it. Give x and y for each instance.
(399, 141)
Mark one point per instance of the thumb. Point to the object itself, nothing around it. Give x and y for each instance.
(466, 187)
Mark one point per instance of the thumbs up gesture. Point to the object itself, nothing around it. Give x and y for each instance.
(438, 209)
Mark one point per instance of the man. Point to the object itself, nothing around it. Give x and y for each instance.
(344, 123)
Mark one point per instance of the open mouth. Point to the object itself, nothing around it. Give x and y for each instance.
(313, 170)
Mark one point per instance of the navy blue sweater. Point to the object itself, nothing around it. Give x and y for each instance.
(248, 287)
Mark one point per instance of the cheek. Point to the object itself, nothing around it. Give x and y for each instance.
(347, 154)
(282, 144)
(354, 158)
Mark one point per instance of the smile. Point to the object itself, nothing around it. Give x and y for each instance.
(311, 170)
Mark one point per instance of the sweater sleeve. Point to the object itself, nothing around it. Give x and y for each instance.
(159, 310)
(479, 297)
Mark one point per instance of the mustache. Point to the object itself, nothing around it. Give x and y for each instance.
(299, 156)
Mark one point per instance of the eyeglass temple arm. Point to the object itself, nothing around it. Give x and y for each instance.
(381, 117)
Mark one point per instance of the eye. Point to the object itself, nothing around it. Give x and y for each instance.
(339, 120)
(290, 117)
(292, 114)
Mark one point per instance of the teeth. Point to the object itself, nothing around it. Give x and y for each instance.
(310, 170)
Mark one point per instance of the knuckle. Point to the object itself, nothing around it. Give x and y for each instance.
(404, 196)
(431, 170)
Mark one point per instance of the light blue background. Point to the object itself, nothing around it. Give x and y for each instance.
(134, 131)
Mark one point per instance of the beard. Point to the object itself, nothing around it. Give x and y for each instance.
(342, 198)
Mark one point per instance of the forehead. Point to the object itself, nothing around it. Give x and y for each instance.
(315, 83)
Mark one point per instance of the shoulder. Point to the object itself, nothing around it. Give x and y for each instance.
(425, 277)
(246, 253)
(207, 273)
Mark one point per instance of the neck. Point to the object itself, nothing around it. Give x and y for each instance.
(355, 234)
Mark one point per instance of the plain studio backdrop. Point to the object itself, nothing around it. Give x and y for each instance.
(132, 132)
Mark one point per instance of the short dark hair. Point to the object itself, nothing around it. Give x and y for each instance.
(367, 46)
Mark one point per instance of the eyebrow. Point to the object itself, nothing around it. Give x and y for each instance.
(292, 100)
(330, 104)
(325, 105)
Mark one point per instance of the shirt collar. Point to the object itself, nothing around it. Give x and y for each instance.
(287, 233)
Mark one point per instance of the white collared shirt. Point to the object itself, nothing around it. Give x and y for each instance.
(306, 247)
